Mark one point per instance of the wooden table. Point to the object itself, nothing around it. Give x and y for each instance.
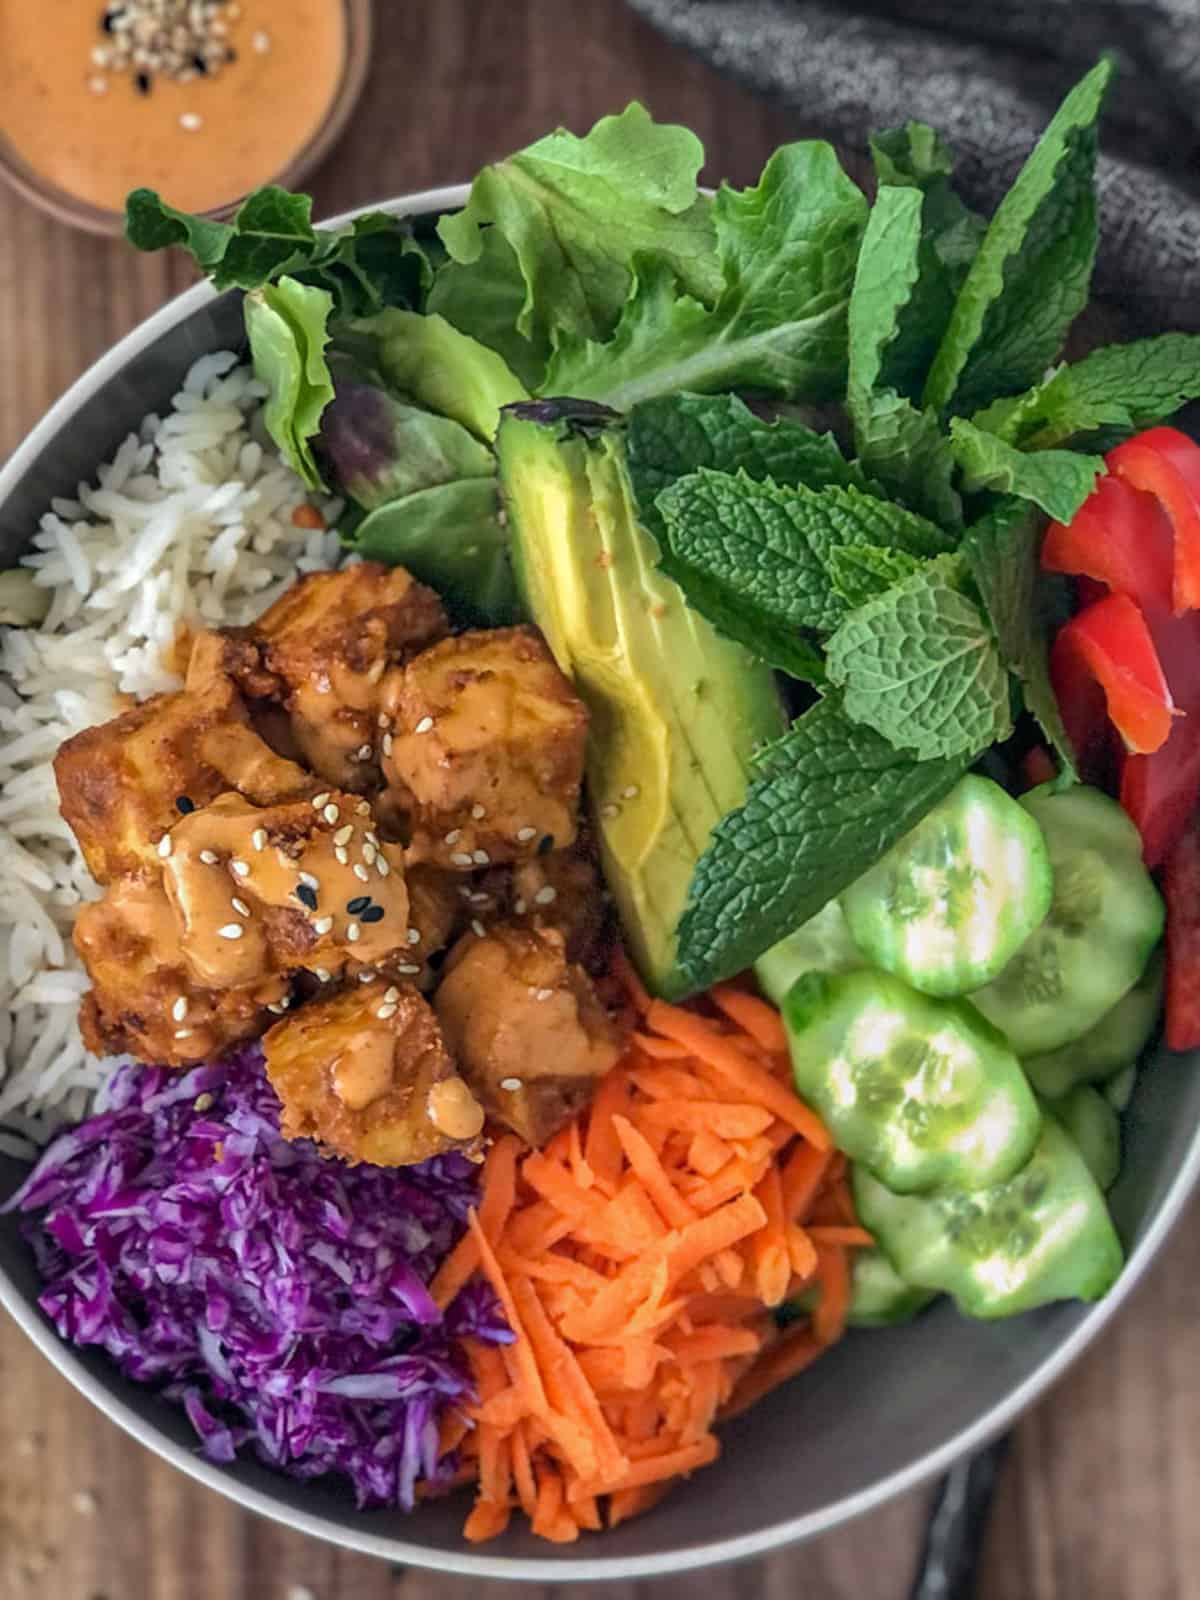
(1098, 1499)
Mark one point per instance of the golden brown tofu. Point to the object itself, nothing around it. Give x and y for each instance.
(366, 1074)
(484, 743)
(526, 1028)
(564, 890)
(144, 1000)
(327, 643)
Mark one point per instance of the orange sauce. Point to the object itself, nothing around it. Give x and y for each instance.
(202, 143)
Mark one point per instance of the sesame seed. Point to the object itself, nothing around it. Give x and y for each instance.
(545, 896)
(344, 835)
(392, 994)
(511, 1084)
(480, 899)
(453, 836)
(369, 854)
(307, 879)
(274, 1005)
(241, 868)
(385, 1011)
(319, 800)
(331, 813)
(370, 837)
(376, 670)
(322, 974)
(184, 806)
(481, 858)
(366, 975)
(479, 812)
(359, 903)
(545, 844)
(478, 929)
(387, 743)
(414, 936)
(204, 1102)
(363, 810)
(231, 930)
(383, 720)
(610, 810)
(183, 1033)
(209, 857)
(240, 906)
(165, 846)
(361, 872)
(365, 752)
(260, 42)
(97, 84)
(190, 122)
(179, 1009)
(307, 896)
(631, 792)
(259, 838)
(341, 856)
(424, 726)
(354, 933)
(525, 834)
(542, 994)
(383, 866)
(520, 908)
(461, 858)
(402, 966)
(322, 925)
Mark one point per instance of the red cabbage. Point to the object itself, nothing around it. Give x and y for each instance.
(280, 1298)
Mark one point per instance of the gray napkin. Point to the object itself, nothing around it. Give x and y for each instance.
(988, 76)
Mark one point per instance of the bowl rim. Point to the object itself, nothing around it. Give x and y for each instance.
(564, 1568)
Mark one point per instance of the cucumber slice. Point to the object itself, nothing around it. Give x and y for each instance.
(1118, 1091)
(1105, 919)
(950, 905)
(1096, 1129)
(879, 1296)
(822, 944)
(1117, 1040)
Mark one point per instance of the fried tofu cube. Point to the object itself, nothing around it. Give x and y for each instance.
(365, 1072)
(564, 890)
(485, 744)
(327, 642)
(144, 1000)
(526, 1028)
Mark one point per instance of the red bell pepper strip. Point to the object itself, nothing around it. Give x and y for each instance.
(1110, 645)
(1181, 889)
(1166, 463)
(1037, 766)
(1160, 792)
(1119, 538)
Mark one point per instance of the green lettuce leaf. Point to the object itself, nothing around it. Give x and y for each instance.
(437, 366)
(1001, 551)
(787, 249)
(576, 211)
(288, 327)
(830, 798)
(920, 665)
(1058, 481)
(1031, 273)
(485, 300)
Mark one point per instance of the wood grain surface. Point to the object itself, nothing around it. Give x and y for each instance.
(1098, 1500)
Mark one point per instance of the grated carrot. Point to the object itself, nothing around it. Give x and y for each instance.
(754, 1016)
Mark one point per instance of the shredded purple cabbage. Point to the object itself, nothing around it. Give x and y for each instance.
(279, 1297)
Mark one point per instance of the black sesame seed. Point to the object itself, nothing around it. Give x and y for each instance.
(545, 844)
(373, 914)
(231, 54)
(359, 903)
(109, 20)
(142, 82)
(199, 63)
(184, 806)
(307, 896)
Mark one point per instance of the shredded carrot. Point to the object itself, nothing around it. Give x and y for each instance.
(635, 1258)
(307, 516)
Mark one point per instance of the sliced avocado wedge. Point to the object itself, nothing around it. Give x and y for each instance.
(677, 711)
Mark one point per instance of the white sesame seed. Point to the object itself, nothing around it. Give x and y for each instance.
(424, 726)
(322, 925)
(545, 896)
(370, 837)
(542, 994)
(365, 752)
(363, 809)
(322, 974)
(631, 792)
(382, 865)
(209, 857)
(261, 42)
(190, 122)
(97, 84)
(453, 836)
(376, 670)
(479, 812)
(610, 810)
(331, 813)
(392, 994)
(383, 720)
(204, 1102)
(274, 1005)
(344, 835)
(463, 892)
(309, 882)
(179, 1009)
(241, 868)
(480, 899)
(384, 1012)
(231, 930)
(319, 800)
(240, 906)
(259, 838)
(481, 858)
(354, 933)
(165, 846)
(366, 975)
(183, 1033)
(511, 1084)
(342, 856)
(477, 928)
(460, 858)
(369, 854)
(410, 971)
(525, 834)
(520, 908)
(387, 742)
(361, 873)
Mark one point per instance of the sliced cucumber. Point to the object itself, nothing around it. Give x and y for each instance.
(950, 905)
(1116, 1041)
(1118, 1091)
(879, 1296)
(1096, 1129)
(822, 944)
(1104, 921)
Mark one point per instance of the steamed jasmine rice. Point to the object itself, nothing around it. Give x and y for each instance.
(190, 523)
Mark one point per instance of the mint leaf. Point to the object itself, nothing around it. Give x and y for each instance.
(674, 435)
(1031, 273)
(287, 324)
(920, 666)
(787, 249)
(1002, 552)
(575, 212)
(830, 798)
(1122, 387)
(859, 572)
(887, 275)
(1058, 481)
(916, 155)
(908, 453)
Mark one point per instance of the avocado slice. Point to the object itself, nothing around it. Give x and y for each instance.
(677, 710)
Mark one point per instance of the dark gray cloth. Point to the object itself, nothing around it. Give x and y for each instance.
(988, 77)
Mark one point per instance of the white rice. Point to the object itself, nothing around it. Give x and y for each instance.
(189, 523)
